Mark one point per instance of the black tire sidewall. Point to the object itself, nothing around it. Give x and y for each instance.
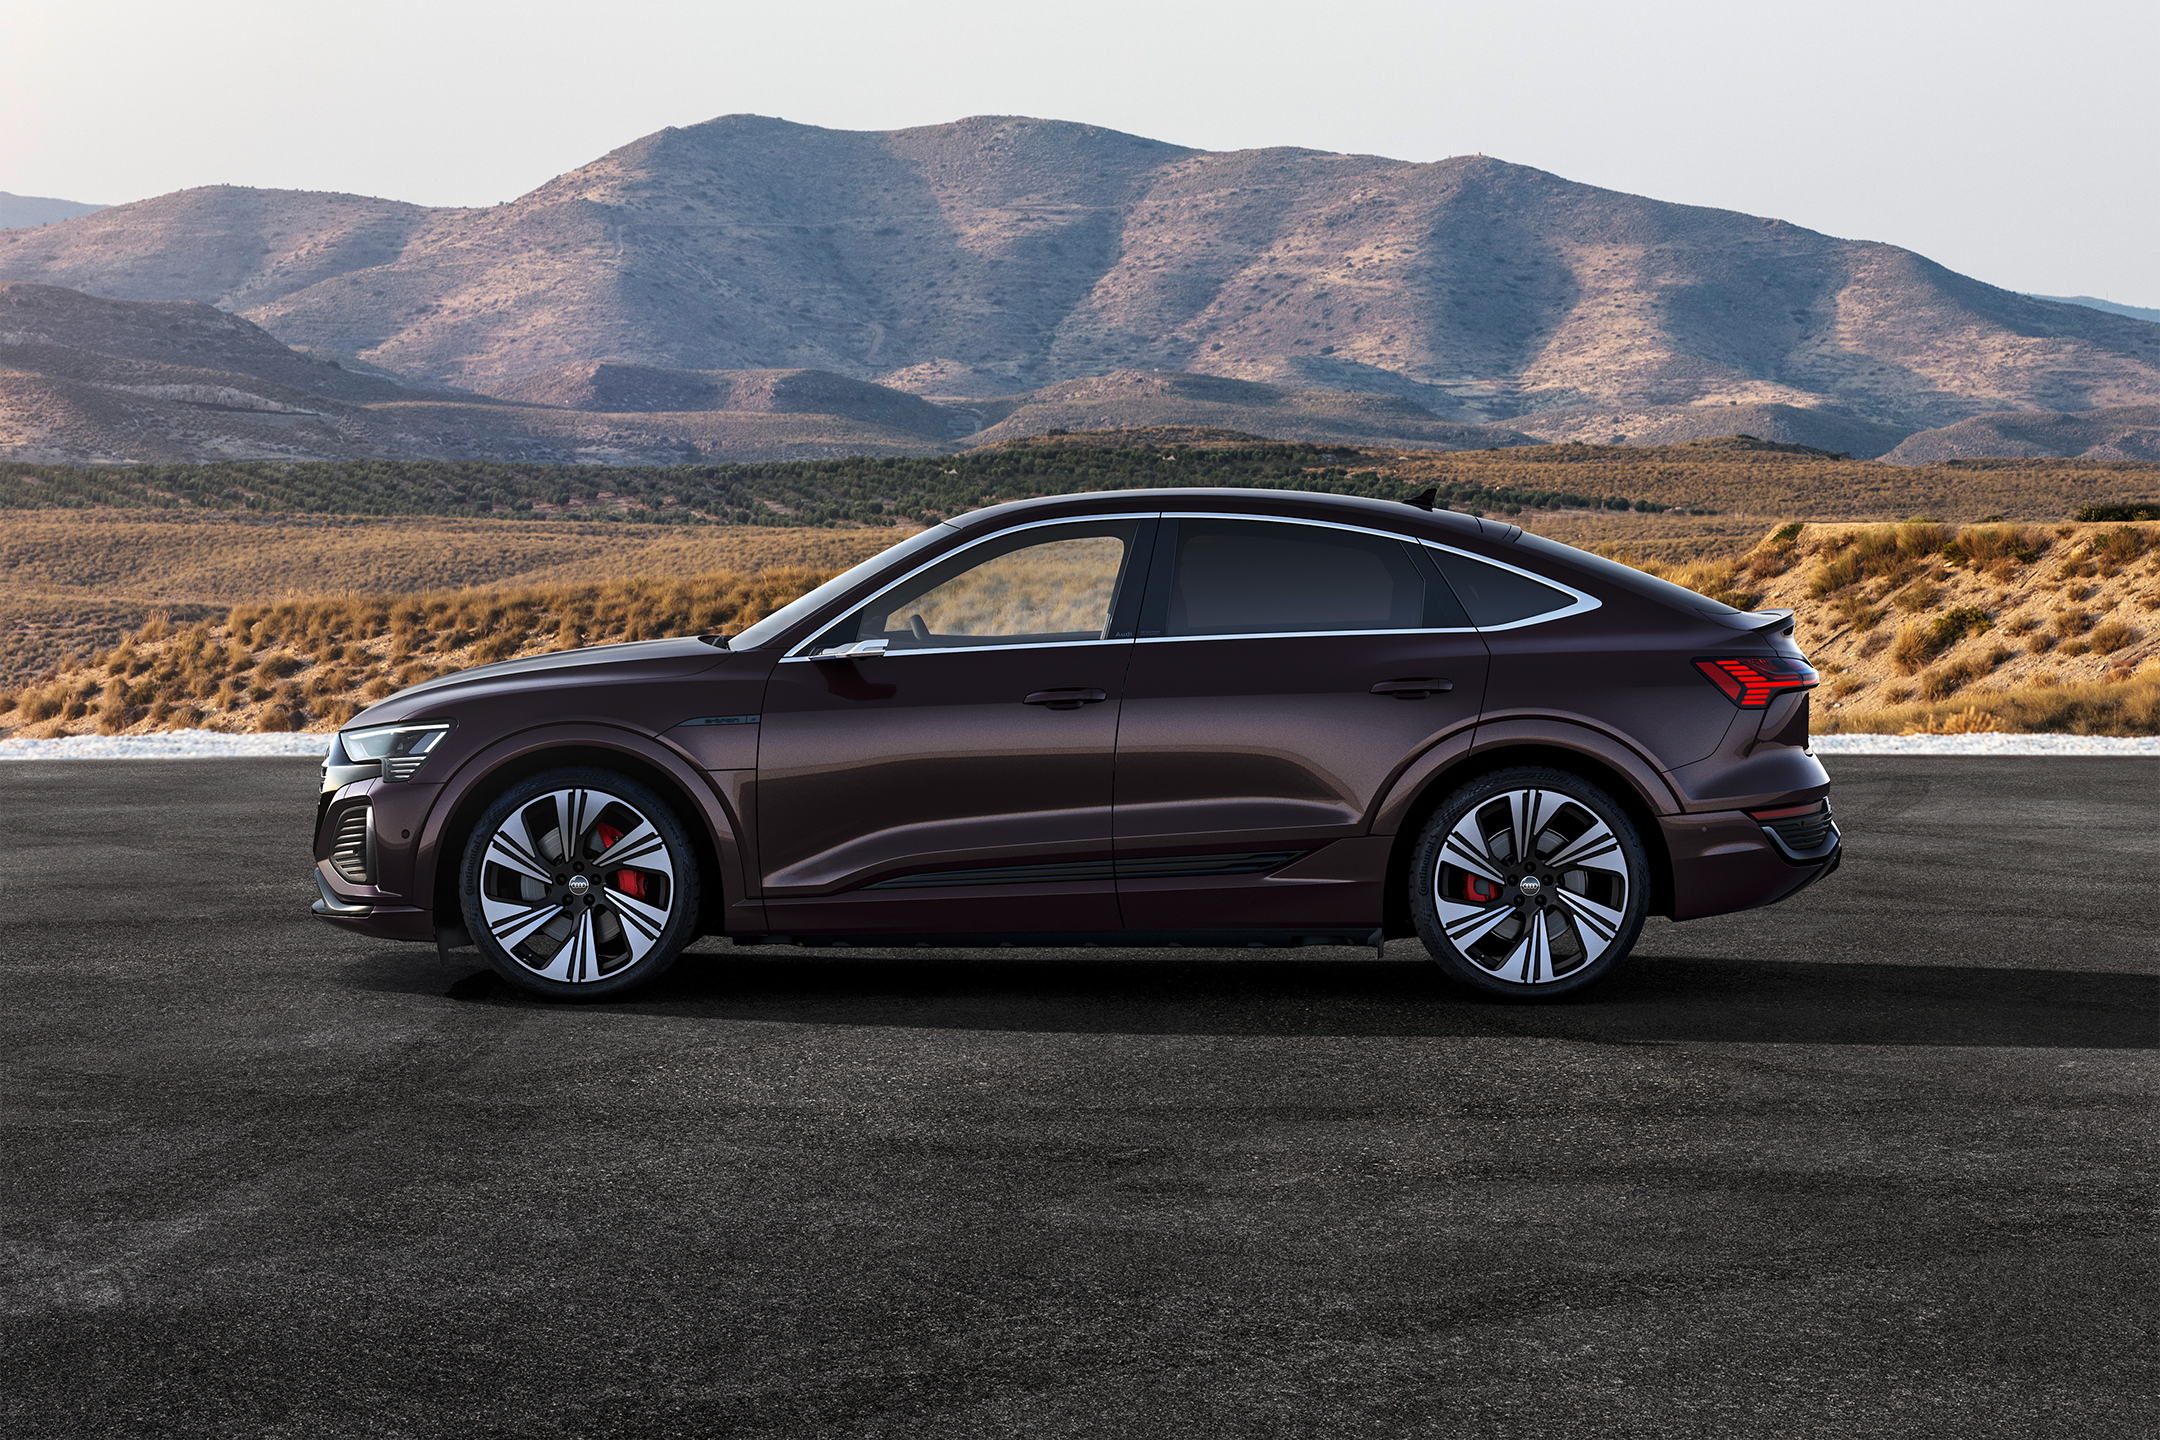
(683, 881)
(1477, 792)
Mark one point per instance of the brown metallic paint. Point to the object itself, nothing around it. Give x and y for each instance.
(933, 760)
(1270, 744)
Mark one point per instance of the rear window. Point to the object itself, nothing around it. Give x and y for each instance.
(1258, 577)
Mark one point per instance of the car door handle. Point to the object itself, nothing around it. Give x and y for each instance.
(1413, 689)
(1065, 699)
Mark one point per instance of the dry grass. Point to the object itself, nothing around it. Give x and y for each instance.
(2086, 665)
(314, 664)
(2122, 707)
(74, 584)
(1993, 609)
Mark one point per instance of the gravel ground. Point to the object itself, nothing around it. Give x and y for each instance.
(1875, 1162)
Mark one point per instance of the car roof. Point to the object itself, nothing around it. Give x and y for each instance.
(1393, 515)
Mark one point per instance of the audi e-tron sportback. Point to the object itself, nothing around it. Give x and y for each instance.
(1220, 717)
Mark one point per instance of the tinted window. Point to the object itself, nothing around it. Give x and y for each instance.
(1255, 577)
(1494, 596)
(1034, 587)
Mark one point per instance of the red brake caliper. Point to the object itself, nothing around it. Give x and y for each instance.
(1480, 891)
(628, 881)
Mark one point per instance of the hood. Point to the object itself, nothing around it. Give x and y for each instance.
(630, 660)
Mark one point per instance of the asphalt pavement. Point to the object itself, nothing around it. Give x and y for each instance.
(1878, 1161)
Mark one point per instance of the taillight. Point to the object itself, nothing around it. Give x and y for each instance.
(1753, 681)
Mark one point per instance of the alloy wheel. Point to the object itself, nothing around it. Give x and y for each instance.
(577, 885)
(1532, 886)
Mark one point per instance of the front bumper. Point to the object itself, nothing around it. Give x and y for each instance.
(334, 905)
(370, 915)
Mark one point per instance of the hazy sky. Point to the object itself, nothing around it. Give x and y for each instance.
(2017, 143)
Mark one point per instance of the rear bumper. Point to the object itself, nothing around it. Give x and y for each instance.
(1727, 861)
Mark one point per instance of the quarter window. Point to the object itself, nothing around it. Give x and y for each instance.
(1497, 596)
(1257, 577)
(1031, 588)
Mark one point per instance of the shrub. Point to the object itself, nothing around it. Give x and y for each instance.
(1921, 641)
(1918, 596)
(2122, 546)
(2112, 636)
(1997, 550)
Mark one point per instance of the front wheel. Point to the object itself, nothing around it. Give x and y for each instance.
(1529, 883)
(579, 884)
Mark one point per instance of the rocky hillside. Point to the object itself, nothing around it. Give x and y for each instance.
(93, 381)
(2120, 432)
(998, 256)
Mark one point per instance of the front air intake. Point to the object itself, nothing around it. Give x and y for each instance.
(352, 854)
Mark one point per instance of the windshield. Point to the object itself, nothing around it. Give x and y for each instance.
(1640, 581)
(786, 617)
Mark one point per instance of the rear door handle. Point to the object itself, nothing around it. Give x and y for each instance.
(1413, 689)
(1065, 699)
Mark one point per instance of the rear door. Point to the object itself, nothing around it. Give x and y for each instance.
(1284, 672)
(954, 774)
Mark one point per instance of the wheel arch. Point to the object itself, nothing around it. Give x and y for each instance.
(1433, 791)
(709, 833)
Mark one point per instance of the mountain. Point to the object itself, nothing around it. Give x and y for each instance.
(2135, 312)
(2125, 432)
(90, 380)
(16, 210)
(1000, 256)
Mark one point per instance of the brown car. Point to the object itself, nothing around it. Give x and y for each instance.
(1211, 717)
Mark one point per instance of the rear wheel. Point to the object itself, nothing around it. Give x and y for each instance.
(580, 883)
(1529, 882)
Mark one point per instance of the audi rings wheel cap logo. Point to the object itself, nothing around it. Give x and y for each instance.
(1529, 885)
(579, 884)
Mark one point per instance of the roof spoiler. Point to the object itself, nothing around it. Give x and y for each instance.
(1762, 622)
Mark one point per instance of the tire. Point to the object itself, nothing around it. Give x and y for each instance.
(556, 919)
(1564, 931)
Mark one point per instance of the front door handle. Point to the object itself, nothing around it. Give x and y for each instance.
(1416, 689)
(1065, 699)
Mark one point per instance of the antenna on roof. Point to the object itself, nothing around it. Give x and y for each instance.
(1423, 500)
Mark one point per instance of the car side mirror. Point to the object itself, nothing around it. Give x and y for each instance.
(860, 650)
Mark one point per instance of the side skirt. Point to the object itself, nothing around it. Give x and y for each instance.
(1068, 939)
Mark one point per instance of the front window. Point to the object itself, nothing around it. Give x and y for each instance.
(804, 606)
(1051, 585)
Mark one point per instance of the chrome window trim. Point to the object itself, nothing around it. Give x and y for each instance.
(1583, 603)
(1299, 634)
(797, 652)
(958, 650)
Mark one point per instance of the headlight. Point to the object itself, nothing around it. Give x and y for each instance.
(399, 749)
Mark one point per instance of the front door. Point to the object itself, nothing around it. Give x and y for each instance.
(953, 773)
(1285, 671)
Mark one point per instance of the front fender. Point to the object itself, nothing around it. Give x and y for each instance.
(708, 800)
